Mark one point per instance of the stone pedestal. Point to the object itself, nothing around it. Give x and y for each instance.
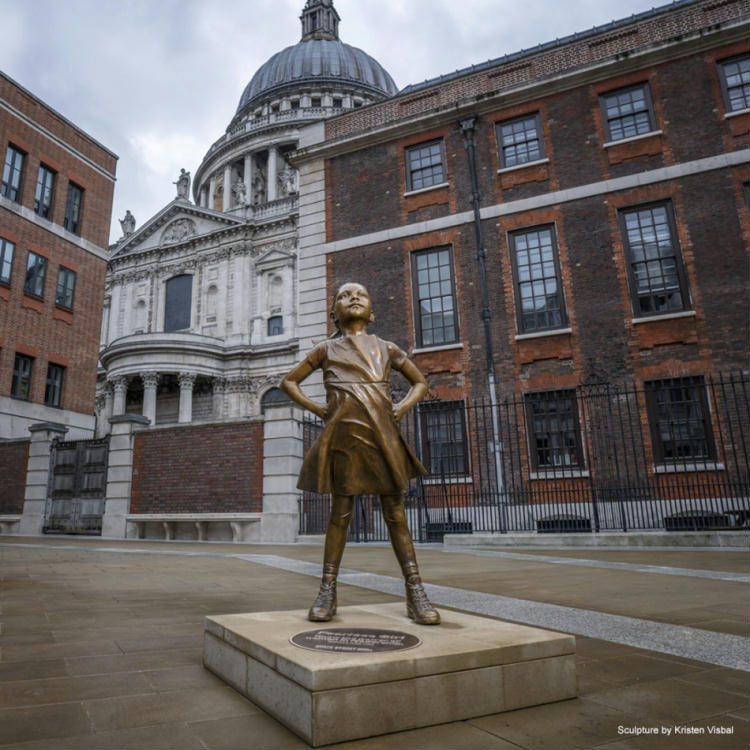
(120, 473)
(43, 434)
(469, 666)
(282, 458)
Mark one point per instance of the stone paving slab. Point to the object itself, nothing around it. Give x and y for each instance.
(77, 592)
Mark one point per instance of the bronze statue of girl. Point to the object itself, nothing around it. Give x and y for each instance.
(361, 450)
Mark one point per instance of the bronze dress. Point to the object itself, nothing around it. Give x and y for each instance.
(360, 450)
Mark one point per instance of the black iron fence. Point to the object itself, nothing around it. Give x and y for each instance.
(671, 454)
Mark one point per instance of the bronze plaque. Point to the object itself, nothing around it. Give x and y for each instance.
(355, 640)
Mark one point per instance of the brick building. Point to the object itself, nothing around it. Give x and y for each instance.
(55, 211)
(555, 226)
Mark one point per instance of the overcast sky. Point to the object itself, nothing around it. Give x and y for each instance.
(157, 81)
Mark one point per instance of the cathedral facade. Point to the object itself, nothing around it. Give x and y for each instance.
(200, 312)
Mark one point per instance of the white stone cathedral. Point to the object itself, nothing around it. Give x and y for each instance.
(201, 311)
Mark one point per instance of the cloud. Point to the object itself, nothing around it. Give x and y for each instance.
(158, 82)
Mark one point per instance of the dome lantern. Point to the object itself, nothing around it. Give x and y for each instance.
(320, 20)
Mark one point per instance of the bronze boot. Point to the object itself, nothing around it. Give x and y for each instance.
(418, 606)
(324, 606)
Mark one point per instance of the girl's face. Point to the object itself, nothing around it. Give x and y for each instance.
(352, 302)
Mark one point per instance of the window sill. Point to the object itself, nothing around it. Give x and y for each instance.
(426, 189)
(560, 474)
(32, 302)
(515, 167)
(441, 348)
(448, 480)
(685, 467)
(666, 316)
(542, 334)
(737, 113)
(63, 314)
(640, 137)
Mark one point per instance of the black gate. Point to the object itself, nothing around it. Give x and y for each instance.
(78, 483)
(672, 454)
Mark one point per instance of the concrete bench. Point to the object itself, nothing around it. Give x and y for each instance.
(9, 524)
(245, 527)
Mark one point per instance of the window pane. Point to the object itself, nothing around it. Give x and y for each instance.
(53, 389)
(21, 383)
(737, 80)
(43, 195)
(433, 277)
(6, 259)
(444, 438)
(519, 141)
(679, 419)
(275, 325)
(628, 113)
(537, 281)
(178, 303)
(654, 261)
(72, 220)
(425, 165)
(12, 170)
(36, 270)
(553, 429)
(66, 284)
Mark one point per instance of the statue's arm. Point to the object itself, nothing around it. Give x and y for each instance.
(417, 391)
(290, 386)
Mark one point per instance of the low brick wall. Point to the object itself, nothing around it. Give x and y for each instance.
(213, 468)
(14, 455)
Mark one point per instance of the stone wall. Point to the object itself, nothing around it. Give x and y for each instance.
(212, 468)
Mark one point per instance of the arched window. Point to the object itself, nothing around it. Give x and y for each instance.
(275, 325)
(177, 303)
(273, 397)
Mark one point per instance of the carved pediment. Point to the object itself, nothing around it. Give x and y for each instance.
(276, 254)
(178, 230)
(176, 222)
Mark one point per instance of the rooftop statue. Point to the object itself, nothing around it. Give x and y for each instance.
(361, 450)
(183, 185)
(127, 224)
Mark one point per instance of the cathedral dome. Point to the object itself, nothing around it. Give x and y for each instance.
(320, 61)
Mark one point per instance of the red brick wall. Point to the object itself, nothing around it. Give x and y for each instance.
(14, 456)
(38, 327)
(199, 469)
(588, 50)
(710, 216)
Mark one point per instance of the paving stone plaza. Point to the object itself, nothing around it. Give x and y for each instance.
(101, 641)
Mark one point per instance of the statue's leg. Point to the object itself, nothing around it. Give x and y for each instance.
(418, 606)
(324, 606)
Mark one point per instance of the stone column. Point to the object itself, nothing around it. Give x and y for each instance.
(211, 192)
(219, 397)
(150, 383)
(106, 312)
(99, 407)
(187, 381)
(247, 177)
(273, 171)
(109, 404)
(227, 187)
(120, 386)
(120, 473)
(282, 459)
(43, 435)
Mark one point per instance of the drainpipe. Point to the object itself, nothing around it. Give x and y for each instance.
(468, 128)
